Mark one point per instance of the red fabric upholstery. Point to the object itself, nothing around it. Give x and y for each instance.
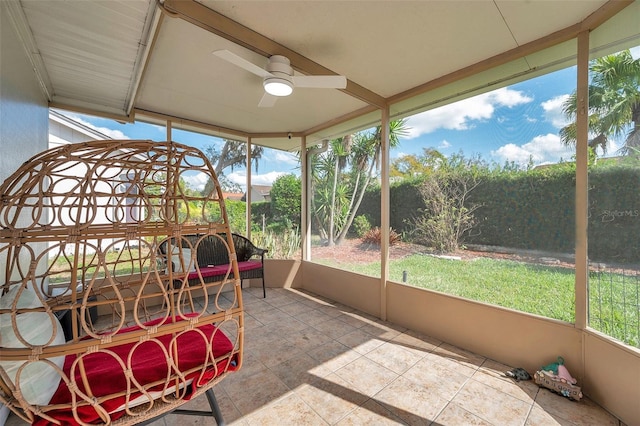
(214, 271)
(105, 374)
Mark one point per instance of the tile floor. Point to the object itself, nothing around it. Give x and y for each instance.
(311, 361)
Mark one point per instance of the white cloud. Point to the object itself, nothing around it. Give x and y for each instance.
(114, 134)
(286, 158)
(460, 115)
(444, 144)
(507, 97)
(197, 181)
(553, 111)
(541, 149)
(240, 178)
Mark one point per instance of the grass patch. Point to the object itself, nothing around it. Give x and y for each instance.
(118, 263)
(543, 290)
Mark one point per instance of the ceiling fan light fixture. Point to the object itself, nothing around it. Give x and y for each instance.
(277, 86)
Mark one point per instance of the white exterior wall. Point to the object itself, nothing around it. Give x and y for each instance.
(23, 106)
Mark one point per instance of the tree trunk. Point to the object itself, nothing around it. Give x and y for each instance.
(354, 210)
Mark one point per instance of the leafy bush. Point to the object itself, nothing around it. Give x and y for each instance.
(374, 236)
(236, 214)
(447, 215)
(361, 225)
(286, 198)
(281, 245)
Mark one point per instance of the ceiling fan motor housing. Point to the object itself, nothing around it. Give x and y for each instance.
(280, 68)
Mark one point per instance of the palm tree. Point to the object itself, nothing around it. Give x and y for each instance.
(336, 185)
(614, 103)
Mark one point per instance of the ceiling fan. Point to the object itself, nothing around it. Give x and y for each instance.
(278, 78)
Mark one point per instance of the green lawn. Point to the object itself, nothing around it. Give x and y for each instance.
(544, 290)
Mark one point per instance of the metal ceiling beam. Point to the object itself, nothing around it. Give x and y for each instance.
(212, 21)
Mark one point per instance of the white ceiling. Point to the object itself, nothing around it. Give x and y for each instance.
(125, 58)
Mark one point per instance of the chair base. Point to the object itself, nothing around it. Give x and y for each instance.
(213, 403)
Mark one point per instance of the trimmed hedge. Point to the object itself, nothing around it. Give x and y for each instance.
(535, 210)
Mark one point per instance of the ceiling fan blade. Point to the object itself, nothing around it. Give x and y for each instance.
(320, 81)
(242, 63)
(267, 100)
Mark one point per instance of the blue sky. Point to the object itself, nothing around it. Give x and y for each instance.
(515, 123)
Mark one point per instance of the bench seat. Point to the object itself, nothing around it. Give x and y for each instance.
(222, 270)
(212, 258)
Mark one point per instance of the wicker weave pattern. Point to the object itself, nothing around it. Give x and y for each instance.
(81, 225)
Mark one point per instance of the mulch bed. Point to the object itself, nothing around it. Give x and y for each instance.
(355, 251)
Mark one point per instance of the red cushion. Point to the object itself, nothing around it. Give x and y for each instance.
(148, 363)
(214, 271)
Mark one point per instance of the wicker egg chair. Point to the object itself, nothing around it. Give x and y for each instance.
(97, 325)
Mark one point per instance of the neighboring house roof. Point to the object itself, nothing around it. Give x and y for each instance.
(63, 129)
(264, 190)
(235, 196)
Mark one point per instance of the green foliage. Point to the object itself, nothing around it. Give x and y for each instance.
(281, 245)
(260, 215)
(614, 103)
(532, 208)
(236, 214)
(361, 225)
(447, 215)
(286, 199)
(374, 236)
(341, 175)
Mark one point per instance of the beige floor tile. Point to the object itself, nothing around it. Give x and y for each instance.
(360, 341)
(307, 338)
(394, 357)
(451, 363)
(290, 325)
(268, 316)
(333, 355)
(366, 376)
(288, 410)
(414, 404)
(256, 391)
(539, 417)
(492, 374)
(299, 371)
(440, 380)
(383, 330)
(279, 350)
(417, 342)
(334, 328)
(331, 311)
(454, 415)
(460, 356)
(331, 397)
(279, 299)
(294, 308)
(230, 413)
(313, 317)
(351, 319)
(371, 414)
(492, 405)
(584, 413)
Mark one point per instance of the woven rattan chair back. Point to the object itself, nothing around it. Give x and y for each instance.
(83, 280)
